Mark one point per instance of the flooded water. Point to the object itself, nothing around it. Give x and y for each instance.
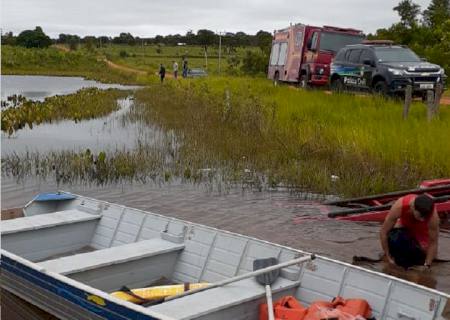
(268, 215)
(39, 87)
(105, 133)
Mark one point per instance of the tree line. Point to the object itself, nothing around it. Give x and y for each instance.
(426, 31)
(203, 37)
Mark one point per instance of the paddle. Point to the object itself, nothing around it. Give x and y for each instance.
(348, 212)
(357, 259)
(245, 276)
(266, 279)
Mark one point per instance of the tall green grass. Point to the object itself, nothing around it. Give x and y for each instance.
(51, 61)
(302, 138)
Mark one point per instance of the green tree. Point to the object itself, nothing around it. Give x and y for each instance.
(124, 38)
(90, 43)
(408, 12)
(264, 40)
(437, 13)
(206, 37)
(8, 39)
(34, 39)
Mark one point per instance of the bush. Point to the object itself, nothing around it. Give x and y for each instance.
(123, 54)
(255, 62)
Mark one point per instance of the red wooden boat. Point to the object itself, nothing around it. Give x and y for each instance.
(376, 207)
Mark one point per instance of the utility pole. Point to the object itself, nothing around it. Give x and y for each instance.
(220, 49)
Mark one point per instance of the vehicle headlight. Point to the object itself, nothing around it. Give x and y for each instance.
(396, 72)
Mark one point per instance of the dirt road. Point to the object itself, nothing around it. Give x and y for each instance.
(123, 68)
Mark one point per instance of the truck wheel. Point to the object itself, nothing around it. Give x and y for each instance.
(304, 81)
(381, 88)
(276, 79)
(337, 85)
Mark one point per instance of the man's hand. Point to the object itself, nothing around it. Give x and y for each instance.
(424, 268)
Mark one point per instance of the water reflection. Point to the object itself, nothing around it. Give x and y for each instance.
(39, 87)
(99, 134)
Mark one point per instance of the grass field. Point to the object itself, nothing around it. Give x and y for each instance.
(302, 138)
(149, 58)
(91, 63)
(52, 61)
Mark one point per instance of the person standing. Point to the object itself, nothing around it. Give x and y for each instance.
(162, 72)
(409, 235)
(185, 68)
(175, 70)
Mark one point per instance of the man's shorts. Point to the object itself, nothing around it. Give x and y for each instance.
(404, 248)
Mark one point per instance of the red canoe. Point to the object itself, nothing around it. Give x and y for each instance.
(376, 207)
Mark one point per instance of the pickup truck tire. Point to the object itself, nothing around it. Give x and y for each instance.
(380, 88)
(337, 85)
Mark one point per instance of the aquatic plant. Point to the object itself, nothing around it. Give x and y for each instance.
(301, 138)
(84, 104)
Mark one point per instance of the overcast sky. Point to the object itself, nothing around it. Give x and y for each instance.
(148, 18)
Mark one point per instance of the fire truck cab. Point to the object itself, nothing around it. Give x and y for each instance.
(302, 54)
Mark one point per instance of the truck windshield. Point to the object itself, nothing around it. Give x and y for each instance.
(390, 54)
(331, 41)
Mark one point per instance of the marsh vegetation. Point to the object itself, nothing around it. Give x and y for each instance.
(84, 104)
(244, 131)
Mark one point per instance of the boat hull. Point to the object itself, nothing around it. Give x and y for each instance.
(134, 246)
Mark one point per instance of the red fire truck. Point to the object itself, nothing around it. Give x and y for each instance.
(302, 54)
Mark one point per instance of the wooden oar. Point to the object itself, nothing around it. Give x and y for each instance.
(348, 212)
(389, 194)
(266, 279)
(245, 276)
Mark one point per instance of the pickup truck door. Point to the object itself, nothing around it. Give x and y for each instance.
(353, 73)
(367, 62)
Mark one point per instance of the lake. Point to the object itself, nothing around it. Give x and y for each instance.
(39, 87)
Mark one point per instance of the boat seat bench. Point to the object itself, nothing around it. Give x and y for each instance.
(216, 299)
(111, 256)
(49, 220)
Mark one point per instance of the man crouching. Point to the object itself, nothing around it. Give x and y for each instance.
(409, 235)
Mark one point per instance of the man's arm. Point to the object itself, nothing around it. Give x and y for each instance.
(388, 224)
(433, 232)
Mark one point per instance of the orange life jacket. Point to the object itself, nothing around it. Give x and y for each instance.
(288, 308)
(355, 307)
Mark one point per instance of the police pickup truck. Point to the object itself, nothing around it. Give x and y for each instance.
(383, 68)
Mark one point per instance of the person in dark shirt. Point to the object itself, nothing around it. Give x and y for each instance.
(162, 72)
(185, 68)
